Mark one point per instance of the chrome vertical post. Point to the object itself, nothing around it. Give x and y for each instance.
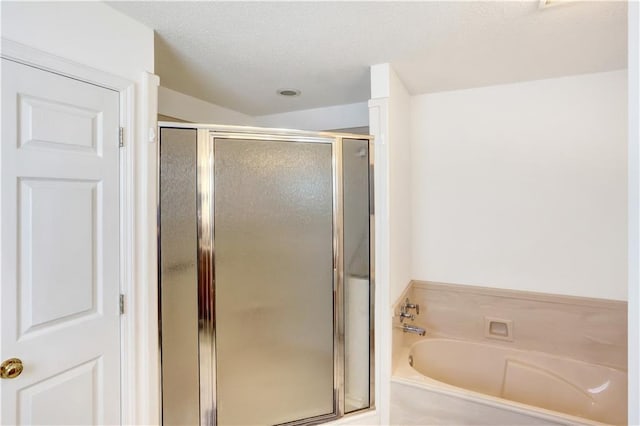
(206, 278)
(338, 235)
(372, 280)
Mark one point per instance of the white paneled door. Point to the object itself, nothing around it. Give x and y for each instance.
(59, 246)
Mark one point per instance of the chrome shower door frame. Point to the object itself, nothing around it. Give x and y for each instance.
(372, 277)
(206, 278)
(206, 257)
(206, 136)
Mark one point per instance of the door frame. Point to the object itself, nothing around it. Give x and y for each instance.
(138, 341)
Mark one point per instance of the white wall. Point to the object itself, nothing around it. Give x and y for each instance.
(523, 186)
(400, 188)
(90, 33)
(188, 108)
(634, 212)
(319, 119)
(393, 174)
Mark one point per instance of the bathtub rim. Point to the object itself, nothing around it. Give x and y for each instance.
(405, 374)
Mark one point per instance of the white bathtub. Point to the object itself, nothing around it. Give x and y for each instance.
(538, 385)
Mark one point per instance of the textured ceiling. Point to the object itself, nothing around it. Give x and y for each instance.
(237, 54)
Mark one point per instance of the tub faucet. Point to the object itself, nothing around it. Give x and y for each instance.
(413, 329)
(408, 305)
(404, 315)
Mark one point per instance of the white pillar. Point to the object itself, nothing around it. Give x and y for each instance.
(389, 122)
(633, 47)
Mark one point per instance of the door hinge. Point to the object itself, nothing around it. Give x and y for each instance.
(121, 304)
(121, 136)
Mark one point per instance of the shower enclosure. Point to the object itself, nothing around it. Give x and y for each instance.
(266, 275)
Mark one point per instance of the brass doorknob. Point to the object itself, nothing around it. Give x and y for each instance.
(11, 368)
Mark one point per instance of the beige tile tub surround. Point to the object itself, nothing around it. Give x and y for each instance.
(590, 330)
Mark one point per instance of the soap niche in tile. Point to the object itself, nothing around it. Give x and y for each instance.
(498, 328)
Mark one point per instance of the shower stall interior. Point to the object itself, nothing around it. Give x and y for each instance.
(266, 275)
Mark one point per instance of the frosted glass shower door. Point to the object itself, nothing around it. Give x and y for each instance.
(274, 280)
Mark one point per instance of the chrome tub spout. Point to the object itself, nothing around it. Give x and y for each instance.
(413, 329)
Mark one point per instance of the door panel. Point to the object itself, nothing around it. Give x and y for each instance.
(52, 211)
(273, 245)
(59, 246)
(179, 278)
(45, 123)
(77, 390)
(357, 265)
